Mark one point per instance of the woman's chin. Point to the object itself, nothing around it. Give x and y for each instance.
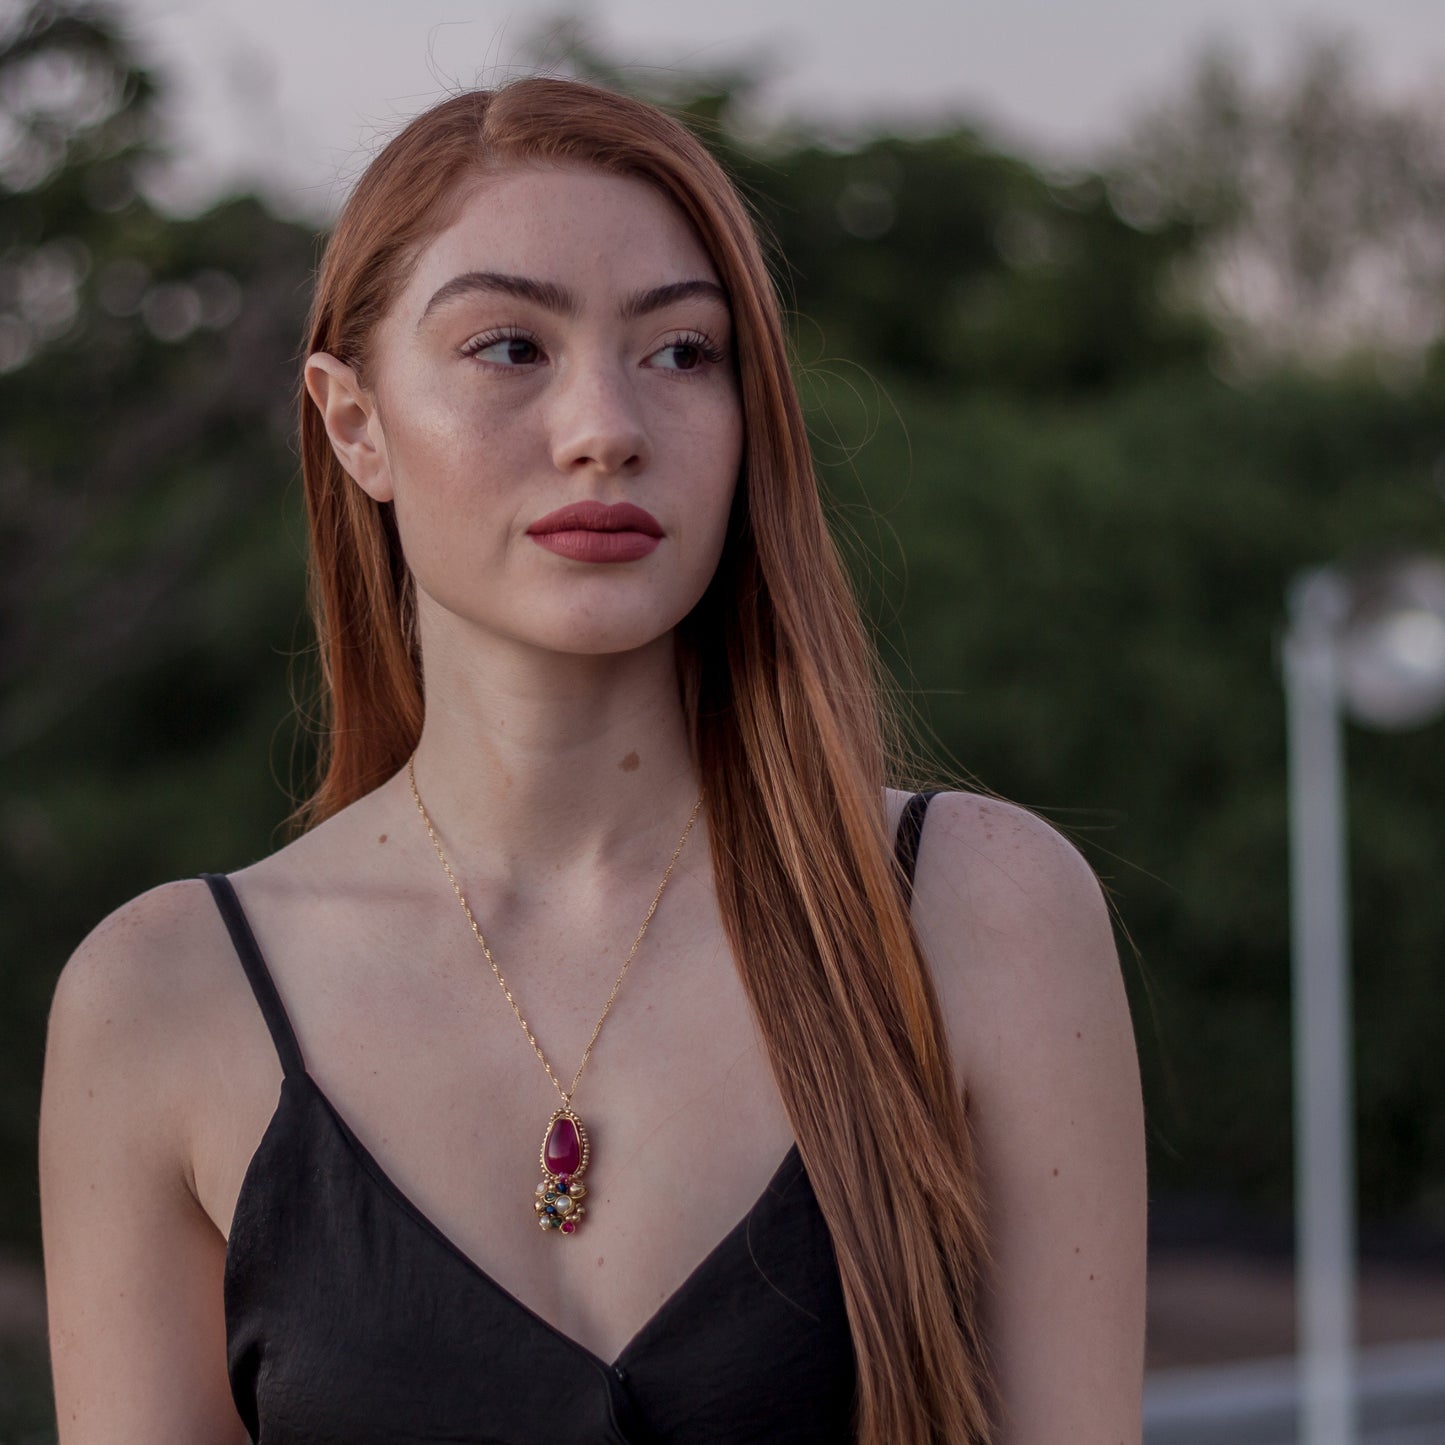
(605, 630)
(601, 642)
(578, 631)
(594, 638)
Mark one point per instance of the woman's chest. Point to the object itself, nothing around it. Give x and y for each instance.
(450, 1104)
(350, 1316)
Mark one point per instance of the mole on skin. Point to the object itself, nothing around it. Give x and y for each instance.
(382, 839)
(630, 763)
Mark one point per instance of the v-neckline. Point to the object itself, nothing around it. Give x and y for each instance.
(419, 1217)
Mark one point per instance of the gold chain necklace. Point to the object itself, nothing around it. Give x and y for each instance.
(566, 1150)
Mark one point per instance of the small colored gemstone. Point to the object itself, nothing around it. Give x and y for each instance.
(561, 1189)
(550, 1194)
(568, 1226)
(563, 1150)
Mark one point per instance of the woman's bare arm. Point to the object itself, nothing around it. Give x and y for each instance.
(1017, 931)
(133, 1264)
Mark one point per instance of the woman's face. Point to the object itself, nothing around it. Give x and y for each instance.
(565, 341)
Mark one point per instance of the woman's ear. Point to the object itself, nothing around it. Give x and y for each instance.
(352, 422)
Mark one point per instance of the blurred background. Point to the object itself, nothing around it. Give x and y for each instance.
(1110, 319)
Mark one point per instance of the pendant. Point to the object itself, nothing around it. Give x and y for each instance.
(564, 1156)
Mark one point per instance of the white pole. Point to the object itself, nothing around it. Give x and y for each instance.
(1323, 1078)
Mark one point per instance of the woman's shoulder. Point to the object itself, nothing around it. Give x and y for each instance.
(163, 964)
(984, 858)
(147, 1031)
(145, 983)
(147, 948)
(1015, 927)
(996, 862)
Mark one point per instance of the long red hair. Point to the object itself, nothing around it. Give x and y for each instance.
(782, 690)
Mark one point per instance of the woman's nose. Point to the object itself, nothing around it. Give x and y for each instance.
(597, 422)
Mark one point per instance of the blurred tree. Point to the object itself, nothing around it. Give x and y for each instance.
(1321, 203)
(953, 265)
(146, 584)
(174, 336)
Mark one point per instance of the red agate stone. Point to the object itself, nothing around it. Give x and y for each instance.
(563, 1150)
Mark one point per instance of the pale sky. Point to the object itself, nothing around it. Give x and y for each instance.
(295, 94)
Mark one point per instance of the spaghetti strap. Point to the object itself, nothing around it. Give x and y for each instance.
(910, 831)
(282, 1034)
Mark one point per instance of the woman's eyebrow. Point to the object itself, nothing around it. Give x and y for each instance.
(642, 302)
(553, 297)
(546, 294)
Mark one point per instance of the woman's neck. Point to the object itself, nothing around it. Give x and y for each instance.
(532, 759)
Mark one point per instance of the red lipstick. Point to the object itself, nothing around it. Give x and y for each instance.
(596, 532)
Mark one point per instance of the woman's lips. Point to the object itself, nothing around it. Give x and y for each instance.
(583, 546)
(595, 532)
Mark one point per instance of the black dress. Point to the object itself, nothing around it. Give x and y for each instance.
(351, 1318)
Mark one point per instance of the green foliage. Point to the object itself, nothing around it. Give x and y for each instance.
(941, 260)
(152, 569)
(1085, 601)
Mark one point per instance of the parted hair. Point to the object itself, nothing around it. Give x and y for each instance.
(789, 727)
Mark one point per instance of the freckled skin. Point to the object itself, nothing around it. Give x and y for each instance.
(489, 412)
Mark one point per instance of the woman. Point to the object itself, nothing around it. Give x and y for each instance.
(603, 730)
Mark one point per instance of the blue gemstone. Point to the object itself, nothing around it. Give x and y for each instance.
(549, 1210)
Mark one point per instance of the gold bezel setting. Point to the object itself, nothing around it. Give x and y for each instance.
(557, 1207)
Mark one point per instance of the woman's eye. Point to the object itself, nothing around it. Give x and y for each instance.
(504, 350)
(686, 354)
